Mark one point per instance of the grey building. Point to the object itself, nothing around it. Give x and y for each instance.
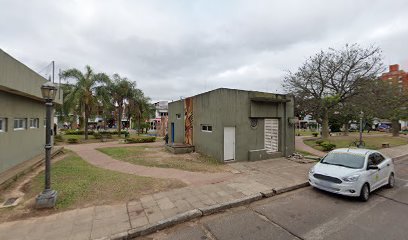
(231, 124)
(22, 113)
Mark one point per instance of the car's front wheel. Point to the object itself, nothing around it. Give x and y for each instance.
(365, 193)
(391, 181)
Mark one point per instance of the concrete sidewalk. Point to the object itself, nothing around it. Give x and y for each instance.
(252, 178)
(252, 181)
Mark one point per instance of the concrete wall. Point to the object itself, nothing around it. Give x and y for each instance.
(17, 146)
(17, 78)
(176, 107)
(20, 97)
(234, 108)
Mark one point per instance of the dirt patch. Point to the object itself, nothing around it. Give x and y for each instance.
(158, 156)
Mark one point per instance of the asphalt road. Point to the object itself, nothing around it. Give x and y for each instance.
(307, 214)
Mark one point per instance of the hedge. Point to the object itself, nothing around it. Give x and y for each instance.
(141, 140)
(91, 132)
(73, 140)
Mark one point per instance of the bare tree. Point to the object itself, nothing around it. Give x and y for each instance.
(332, 77)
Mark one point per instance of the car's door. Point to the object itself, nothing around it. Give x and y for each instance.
(383, 168)
(373, 174)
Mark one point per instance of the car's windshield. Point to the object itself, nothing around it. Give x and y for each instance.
(345, 159)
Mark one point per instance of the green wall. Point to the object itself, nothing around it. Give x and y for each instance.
(234, 108)
(16, 146)
(176, 107)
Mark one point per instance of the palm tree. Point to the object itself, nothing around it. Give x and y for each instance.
(121, 90)
(84, 91)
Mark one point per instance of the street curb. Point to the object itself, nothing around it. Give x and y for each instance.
(196, 213)
(230, 204)
(162, 224)
(400, 157)
(291, 188)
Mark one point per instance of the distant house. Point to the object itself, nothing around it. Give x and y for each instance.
(230, 124)
(22, 113)
(158, 122)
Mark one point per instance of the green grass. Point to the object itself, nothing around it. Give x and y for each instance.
(80, 184)
(304, 153)
(371, 142)
(157, 157)
(304, 132)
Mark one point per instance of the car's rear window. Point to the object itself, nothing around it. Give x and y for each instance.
(350, 160)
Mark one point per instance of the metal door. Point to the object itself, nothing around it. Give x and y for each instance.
(272, 135)
(229, 143)
(172, 132)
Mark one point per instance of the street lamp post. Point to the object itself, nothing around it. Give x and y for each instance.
(48, 197)
(360, 144)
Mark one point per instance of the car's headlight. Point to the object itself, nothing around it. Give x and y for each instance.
(311, 171)
(351, 178)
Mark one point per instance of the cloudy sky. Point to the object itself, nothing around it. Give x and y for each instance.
(176, 49)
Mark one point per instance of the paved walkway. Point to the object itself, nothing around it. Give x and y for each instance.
(101, 221)
(300, 145)
(89, 153)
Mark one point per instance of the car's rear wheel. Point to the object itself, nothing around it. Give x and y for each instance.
(391, 181)
(365, 193)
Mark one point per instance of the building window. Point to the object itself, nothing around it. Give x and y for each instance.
(20, 123)
(34, 122)
(178, 116)
(206, 128)
(3, 124)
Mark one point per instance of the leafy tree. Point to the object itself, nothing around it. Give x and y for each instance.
(390, 102)
(121, 90)
(332, 77)
(85, 90)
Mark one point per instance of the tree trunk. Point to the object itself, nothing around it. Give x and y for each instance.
(138, 130)
(346, 129)
(325, 124)
(85, 126)
(395, 127)
(119, 120)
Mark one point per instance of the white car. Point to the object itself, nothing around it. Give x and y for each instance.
(352, 172)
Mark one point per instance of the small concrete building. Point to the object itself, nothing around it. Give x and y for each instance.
(230, 124)
(22, 114)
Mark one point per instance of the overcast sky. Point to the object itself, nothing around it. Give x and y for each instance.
(185, 47)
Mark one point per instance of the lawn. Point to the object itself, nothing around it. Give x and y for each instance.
(304, 153)
(80, 184)
(371, 141)
(157, 156)
(304, 132)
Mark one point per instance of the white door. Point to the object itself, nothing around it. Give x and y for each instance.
(229, 143)
(272, 135)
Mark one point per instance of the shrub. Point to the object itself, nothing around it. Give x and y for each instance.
(58, 138)
(97, 135)
(315, 134)
(77, 132)
(319, 142)
(328, 146)
(141, 140)
(72, 140)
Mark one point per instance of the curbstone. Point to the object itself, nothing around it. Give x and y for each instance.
(168, 222)
(287, 189)
(268, 193)
(119, 236)
(398, 158)
(230, 204)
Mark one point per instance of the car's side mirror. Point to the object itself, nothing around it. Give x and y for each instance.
(372, 167)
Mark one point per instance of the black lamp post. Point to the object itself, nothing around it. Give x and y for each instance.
(48, 197)
(360, 144)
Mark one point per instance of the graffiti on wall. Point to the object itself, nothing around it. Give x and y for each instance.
(188, 121)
